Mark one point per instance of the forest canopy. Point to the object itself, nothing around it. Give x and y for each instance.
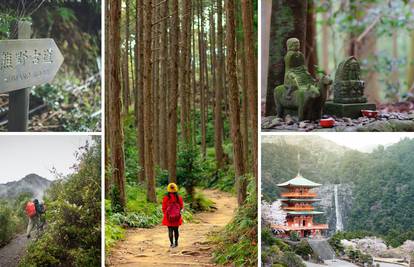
(382, 181)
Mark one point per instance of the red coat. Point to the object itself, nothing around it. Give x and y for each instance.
(165, 202)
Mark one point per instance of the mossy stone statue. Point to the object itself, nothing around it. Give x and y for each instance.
(300, 93)
(348, 89)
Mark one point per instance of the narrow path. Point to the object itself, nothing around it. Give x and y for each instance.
(150, 247)
(11, 253)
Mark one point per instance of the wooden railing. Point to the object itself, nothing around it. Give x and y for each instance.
(290, 228)
(298, 208)
(295, 194)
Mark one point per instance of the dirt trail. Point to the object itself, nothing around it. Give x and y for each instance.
(11, 253)
(150, 247)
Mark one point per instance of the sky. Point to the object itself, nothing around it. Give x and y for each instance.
(365, 142)
(24, 154)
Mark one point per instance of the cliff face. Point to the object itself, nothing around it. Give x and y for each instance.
(327, 204)
(32, 183)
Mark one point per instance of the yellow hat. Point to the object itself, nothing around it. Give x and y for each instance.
(172, 188)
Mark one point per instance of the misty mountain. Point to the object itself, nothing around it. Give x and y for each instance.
(31, 183)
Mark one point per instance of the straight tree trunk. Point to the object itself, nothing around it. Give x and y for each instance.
(251, 75)
(126, 62)
(139, 105)
(148, 104)
(115, 106)
(202, 78)
(184, 85)
(362, 50)
(233, 99)
(310, 44)
(194, 89)
(164, 87)
(156, 90)
(218, 117)
(325, 43)
(108, 145)
(173, 97)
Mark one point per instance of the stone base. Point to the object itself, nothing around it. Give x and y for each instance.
(352, 111)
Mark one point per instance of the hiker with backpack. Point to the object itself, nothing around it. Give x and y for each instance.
(172, 205)
(34, 210)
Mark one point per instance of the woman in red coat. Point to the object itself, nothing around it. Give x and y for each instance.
(172, 205)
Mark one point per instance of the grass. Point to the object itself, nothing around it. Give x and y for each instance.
(237, 243)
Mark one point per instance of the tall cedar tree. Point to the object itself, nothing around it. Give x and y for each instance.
(184, 72)
(148, 102)
(139, 87)
(126, 61)
(173, 93)
(164, 85)
(233, 98)
(218, 119)
(116, 137)
(251, 73)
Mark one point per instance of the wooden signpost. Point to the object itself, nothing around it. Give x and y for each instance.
(24, 63)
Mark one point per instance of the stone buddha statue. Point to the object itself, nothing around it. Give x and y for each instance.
(348, 86)
(300, 94)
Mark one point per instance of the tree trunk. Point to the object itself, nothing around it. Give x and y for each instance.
(115, 106)
(126, 62)
(173, 97)
(107, 145)
(184, 85)
(157, 89)
(288, 20)
(148, 104)
(251, 75)
(218, 119)
(164, 86)
(139, 105)
(202, 78)
(310, 44)
(233, 99)
(325, 43)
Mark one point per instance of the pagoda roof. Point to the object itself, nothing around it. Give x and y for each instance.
(304, 212)
(300, 199)
(299, 180)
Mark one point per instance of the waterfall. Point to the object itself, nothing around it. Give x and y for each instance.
(339, 226)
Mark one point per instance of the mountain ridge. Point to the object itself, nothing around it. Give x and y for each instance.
(31, 183)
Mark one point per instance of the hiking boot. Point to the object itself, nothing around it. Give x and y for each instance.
(28, 236)
(176, 244)
(172, 245)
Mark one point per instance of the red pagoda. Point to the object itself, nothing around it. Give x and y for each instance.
(297, 202)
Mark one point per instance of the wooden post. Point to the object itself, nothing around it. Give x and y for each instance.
(18, 115)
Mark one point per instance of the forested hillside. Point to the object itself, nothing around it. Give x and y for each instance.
(382, 182)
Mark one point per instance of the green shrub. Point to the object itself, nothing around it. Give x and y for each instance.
(303, 249)
(7, 222)
(73, 235)
(113, 233)
(189, 169)
(290, 259)
(201, 203)
(237, 243)
(294, 236)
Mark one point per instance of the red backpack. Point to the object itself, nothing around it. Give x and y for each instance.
(173, 212)
(30, 209)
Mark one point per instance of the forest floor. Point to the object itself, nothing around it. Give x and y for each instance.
(11, 253)
(397, 117)
(150, 247)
